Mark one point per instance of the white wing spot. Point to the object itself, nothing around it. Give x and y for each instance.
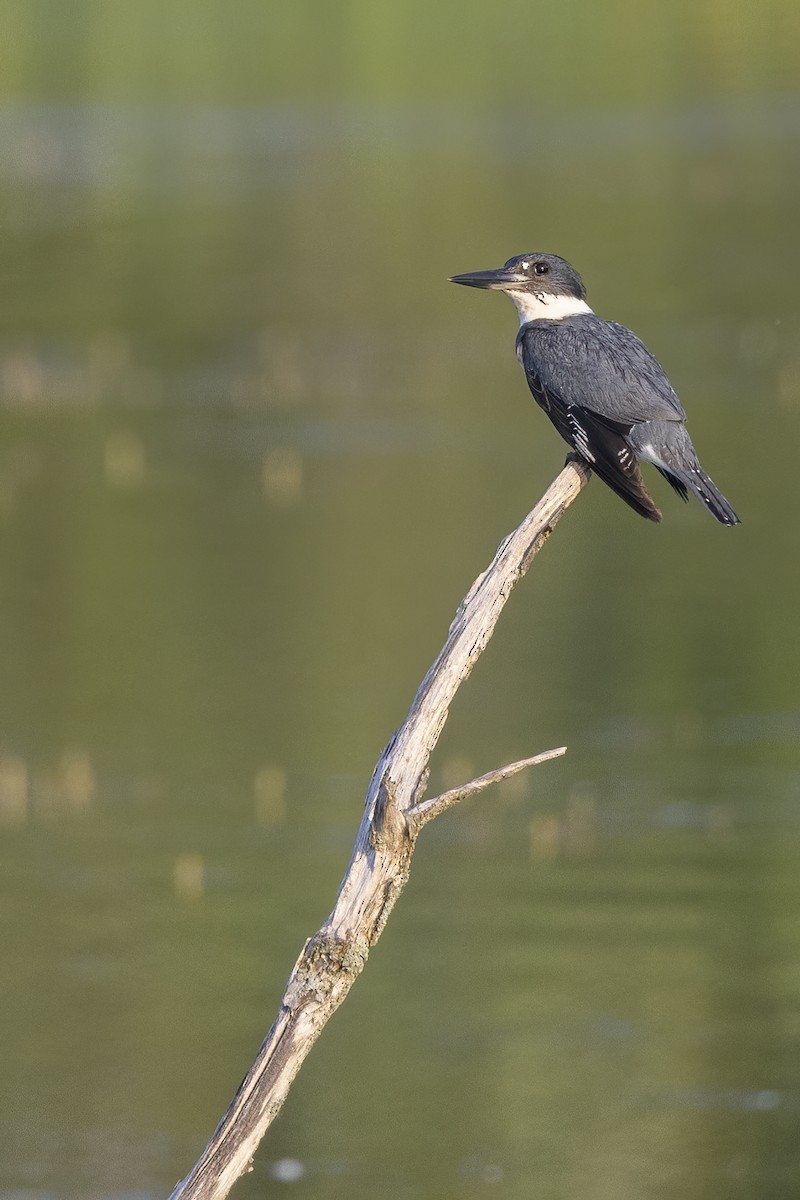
(581, 438)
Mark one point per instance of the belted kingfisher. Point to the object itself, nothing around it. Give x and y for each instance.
(601, 387)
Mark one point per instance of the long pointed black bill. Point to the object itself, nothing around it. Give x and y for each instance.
(498, 280)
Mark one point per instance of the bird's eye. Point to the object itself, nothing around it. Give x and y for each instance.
(541, 268)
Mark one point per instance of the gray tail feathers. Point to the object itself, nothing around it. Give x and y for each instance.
(695, 480)
(667, 445)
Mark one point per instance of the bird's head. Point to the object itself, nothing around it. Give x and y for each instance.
(543, 286)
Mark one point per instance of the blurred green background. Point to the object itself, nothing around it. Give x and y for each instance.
(254, 449)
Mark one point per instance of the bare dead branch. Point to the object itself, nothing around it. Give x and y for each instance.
(394, 812)
(422, 813)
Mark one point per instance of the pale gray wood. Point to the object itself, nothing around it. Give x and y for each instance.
(394, 813)
(426, 810)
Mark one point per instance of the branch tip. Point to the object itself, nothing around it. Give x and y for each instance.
(420, 814)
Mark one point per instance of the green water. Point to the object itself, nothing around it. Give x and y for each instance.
(253, 451)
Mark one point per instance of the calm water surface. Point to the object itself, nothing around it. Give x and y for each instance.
(253, 451)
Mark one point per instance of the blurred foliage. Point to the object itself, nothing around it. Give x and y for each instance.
(582, 55)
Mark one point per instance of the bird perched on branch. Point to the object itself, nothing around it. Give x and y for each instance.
(599, 384)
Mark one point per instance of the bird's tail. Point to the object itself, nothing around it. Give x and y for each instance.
(667, 445)
(696, 480)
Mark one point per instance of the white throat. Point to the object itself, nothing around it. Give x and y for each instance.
(537, 306)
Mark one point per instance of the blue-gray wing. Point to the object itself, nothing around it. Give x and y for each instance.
(599, 366)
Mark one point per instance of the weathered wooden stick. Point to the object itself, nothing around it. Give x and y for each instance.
(421, 813)
(394, 813)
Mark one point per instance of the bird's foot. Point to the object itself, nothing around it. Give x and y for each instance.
(574, 457)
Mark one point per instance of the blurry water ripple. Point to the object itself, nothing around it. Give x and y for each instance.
(103, 145)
